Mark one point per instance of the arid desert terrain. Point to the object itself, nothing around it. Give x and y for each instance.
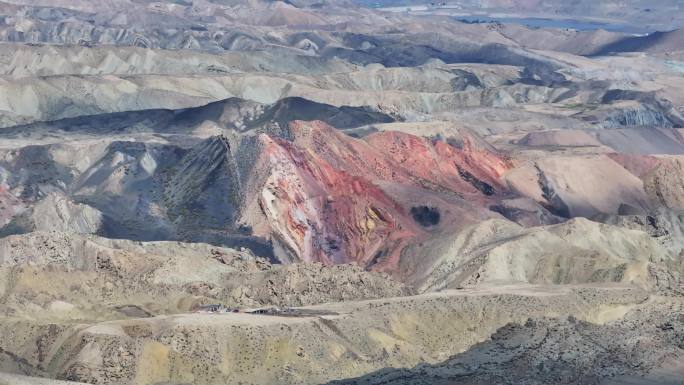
(218, 192)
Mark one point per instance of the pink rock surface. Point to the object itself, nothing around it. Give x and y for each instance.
(323, 195)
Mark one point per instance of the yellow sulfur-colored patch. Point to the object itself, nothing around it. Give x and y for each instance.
(336, 350)
(153, 364)
(370, 224)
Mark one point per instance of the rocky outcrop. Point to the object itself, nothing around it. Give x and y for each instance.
(666, 226)
(584, 353)
(56, 212)
(203, 190)
(633, 117)
(319, 213)
(105, 278)
(323, 199)
(10, 206)
(663, 184)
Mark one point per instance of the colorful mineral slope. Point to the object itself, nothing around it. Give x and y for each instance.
(323, 200)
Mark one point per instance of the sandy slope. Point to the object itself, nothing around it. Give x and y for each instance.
(355, 338)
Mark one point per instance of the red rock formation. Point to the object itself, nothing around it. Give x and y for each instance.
(466, 171)
(322, 214)
(322, 192)
(404, 158)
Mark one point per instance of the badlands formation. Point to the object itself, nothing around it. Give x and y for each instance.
(312, 192)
